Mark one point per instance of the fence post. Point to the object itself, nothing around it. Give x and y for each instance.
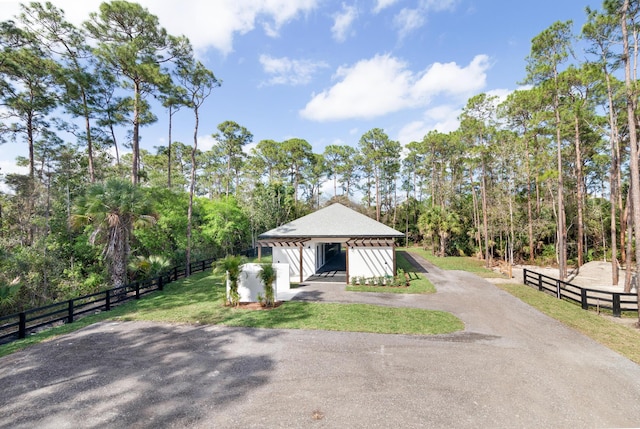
(616, 305)
(203, 262)
(137, 290)
(107, 300)
(524, 276)
(175, 273)
(160, 285)
(558, 294)
(22, 325)
(583, 299)
(539, 282)
(70, 317)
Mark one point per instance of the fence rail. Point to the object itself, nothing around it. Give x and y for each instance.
(18, 325)
(617, 302)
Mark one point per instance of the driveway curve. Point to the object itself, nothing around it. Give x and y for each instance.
(512, 366)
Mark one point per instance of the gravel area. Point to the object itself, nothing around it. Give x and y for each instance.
(511, 367)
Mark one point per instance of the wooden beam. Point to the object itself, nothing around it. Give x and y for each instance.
(259, 253)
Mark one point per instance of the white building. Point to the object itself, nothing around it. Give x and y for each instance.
(309, 242)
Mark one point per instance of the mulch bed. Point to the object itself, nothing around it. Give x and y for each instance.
(257, 306)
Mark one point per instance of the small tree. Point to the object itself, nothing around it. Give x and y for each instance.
(231, 266)
(268, 276)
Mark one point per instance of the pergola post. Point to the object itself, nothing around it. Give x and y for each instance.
(393, 252)
(346, 261)
(301, 265)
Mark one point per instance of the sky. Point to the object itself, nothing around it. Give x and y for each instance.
(329, 71)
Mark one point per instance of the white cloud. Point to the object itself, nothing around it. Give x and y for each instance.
(500, 93)
(368, 89)
(206, 23)
(285, 71)
(408, 20)
(452, 79)
(215, 23)
(205, 142)
(383, 4)
(443, 118)
(384, 84)
(438, 5)
(342, 22)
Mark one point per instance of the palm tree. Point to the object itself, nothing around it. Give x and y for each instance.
(111, 211)
(439, 222)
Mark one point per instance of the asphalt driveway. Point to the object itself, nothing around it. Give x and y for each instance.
(511, 367)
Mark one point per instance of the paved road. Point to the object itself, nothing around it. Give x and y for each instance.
(510, 367)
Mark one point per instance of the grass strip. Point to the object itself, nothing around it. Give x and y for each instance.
(460, 263)
(419, 284)
(618, 337)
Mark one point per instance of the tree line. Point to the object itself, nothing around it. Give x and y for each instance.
(548, 175)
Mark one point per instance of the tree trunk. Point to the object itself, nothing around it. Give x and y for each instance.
(579, 192)
(476, 215)
(136, 136)
(377, 178)
(562, 230)
(169, 149)
(529, 208)
(192, 187)
(119, 255)
(614, 179)
(485, 221)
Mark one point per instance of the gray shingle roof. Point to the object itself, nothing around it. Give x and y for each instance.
(335, 220)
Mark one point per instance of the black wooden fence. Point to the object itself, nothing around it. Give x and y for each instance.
(617, 302)
(18, 325)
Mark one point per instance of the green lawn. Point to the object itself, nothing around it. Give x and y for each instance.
(199, 299)
(462, 263)
(418, 284)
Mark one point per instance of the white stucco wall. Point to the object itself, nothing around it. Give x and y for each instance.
(250, 285)
(370, 261)
(291, 256)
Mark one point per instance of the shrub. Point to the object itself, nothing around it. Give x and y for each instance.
(268, 276)
(231, 266)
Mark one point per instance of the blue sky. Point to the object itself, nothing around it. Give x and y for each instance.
(329, 71)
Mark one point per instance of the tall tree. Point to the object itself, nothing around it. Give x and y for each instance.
(299, 154)
(477, 123)
(549, 50)
(601, 31)
(66, 44)
(172, 100)
(268, 159)
(198, 82)
(230, 141)
(519, 111)
(627, 13)
(132, 43)
(377, 150)
(26, 89)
